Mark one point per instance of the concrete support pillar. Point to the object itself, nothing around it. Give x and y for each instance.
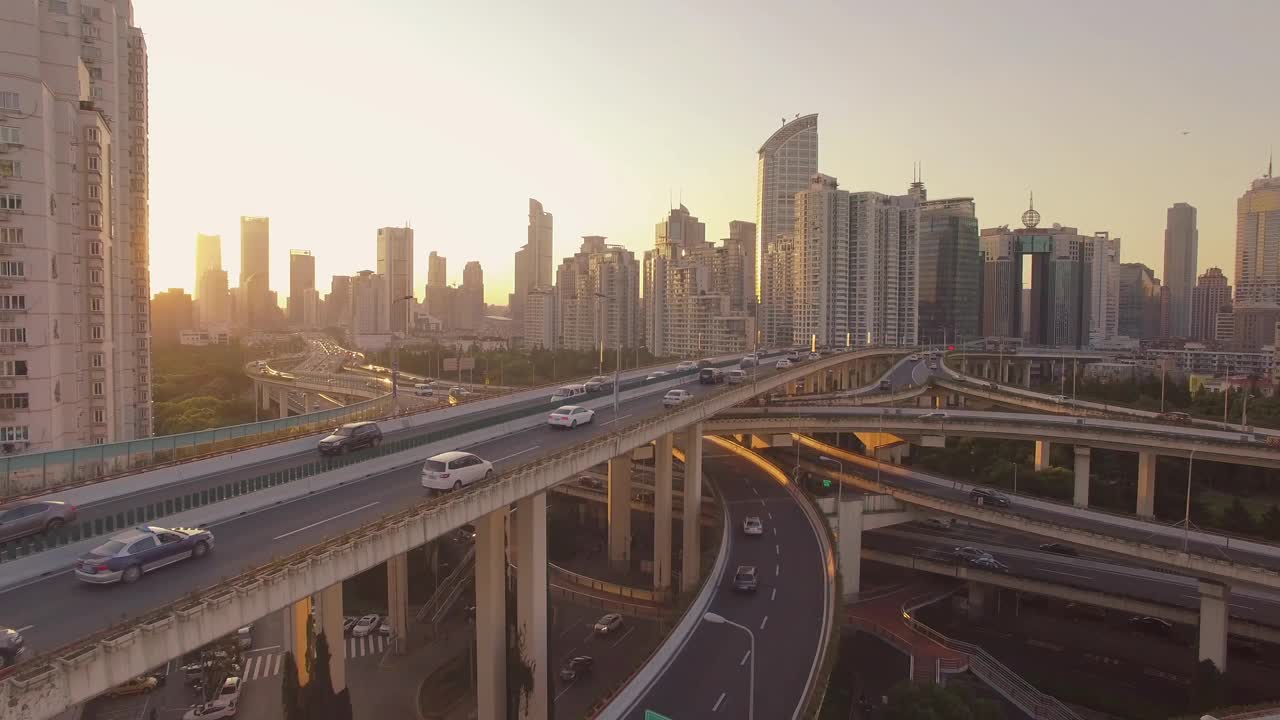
(330, 622)
(986, 369)
(849, 547)
(1026, 374)
(295, 634)
(662, 513)
(1213, 623)
(531, 597)
(1146, 485)
(1042, 454)
(1005, 366)
(964, 366)
(282, 397)
(895, 454)
(491, 617)
(977, 600)
(398, 601)
(620, 513)
(264, 395)
(1080, 496)
(690, 565)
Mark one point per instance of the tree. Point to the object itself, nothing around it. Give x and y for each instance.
(1208, 688)
(290, 691)
(913, 701)
(519, 670)
(1270, 525)
(1236, 519)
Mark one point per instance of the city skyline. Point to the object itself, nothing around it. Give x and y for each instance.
(1118, 169)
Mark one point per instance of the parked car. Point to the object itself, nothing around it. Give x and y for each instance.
(366, 626)
(745, 579)
(987, 496)
(576, 666)
(676, 397)
(1059, 549)
(215, 710)
(782, 364)
(686, 365)
(752, 526)
(735, 377)
(710, 376)
(599, 383)
(351, 436)
(349, 624)
(127, 555)
(569, 391)
(385, 629)
(453, 470)
(137, 686)
(12, 647)
(570, 416)
(608, 624)
(32, 517)
(1150, 625)
(230, 691)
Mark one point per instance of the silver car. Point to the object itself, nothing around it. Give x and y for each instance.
(34, 517)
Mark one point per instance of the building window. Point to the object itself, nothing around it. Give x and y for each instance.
(97, 92)
(99, 416)
(10, 168)
(95, 248)
(95, 275)
(14, 401)
(95, 332)
(13, 336)
(89, 12)
(13, 302)
(13, 368)
(96, 360)
(59, 6)
(11, 236)
(12, 433)
(95, 304)
(95, 192)
(97, 388)
(13, 269)
(95, 73)
(93, 162)
(11, 201)
(91, 134)
(10, 134)
(95, 220)
(89, 31)
(9, 100)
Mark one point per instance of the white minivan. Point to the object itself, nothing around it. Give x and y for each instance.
(423, 390)
(569, 391)
(454, 471)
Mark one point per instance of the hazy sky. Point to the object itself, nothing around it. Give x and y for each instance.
(336, 118)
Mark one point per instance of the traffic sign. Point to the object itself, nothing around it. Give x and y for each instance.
(651, 715)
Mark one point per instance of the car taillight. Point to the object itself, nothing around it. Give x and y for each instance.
(100, 568)
(443, 475)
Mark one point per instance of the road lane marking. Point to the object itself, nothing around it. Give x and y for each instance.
(620, 417)
(777, 550)
(719, 701)
(572, 682)
(745, 655)
(519, 452)
(771, 517)
(777, 570)
(764, 622)
(757, 492)
(773, 594)
(335, 517)
(1193, 597)
(25, 629)
(775, 531)
(618, 642)
(1059, 572)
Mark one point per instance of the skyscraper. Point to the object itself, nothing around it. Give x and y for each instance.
(1258, 243)
(439, 299)
(742, 234)
(370, 304)
(211, 299)
(1210, 296)
(171, 313)
(950, 270)
(1139, 302)
(784, 166)
(1181, 250)
(74, 225)
(208, 257)
(302, 288)
(470, 311)
(598, 297)
(256, 309)
(395, 263)
(337, 304)
(1101, 255)
(437, 270)
(533, 262)
(821, 265)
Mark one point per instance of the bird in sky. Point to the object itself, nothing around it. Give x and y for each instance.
(1186, 132)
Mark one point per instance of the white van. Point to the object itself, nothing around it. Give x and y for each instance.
(568, 391)
(423, 390)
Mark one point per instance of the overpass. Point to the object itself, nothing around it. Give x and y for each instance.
(202, 604)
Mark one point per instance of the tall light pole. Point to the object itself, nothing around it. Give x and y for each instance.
(751, 683)
(395, 353)
(1186, 515)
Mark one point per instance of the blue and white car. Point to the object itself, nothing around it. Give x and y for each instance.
(125, 557)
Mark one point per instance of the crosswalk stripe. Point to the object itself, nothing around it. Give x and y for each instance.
(279, 662)
(251, 669)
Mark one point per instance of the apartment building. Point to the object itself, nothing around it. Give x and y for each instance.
(598, 297)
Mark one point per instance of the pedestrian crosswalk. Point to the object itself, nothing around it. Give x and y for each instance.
(266, 665)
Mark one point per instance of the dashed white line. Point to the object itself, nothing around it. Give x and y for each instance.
(321, 522)
(623, 636)
(620, 417)
(1197, 597)
(745, 655)
(764, 622)
(775, 531)
(757, 492)
(1059, 572)
(719, 701)
(777, 570)
(773, 594)
(519, 452)
(28, 627)
(771, 517)
(777, 550)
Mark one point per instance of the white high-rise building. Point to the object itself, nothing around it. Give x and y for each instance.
(785, 163)
(370, 310)
(1258, 244)
(395, 263)
(598, 297)
(821, 253)
(1102, 255)
(75, 364)
(533, 263)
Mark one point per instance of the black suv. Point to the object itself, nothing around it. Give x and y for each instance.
(985, 496)
(710, 376)
(351, 436)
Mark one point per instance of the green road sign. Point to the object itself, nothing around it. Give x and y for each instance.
(651, 715)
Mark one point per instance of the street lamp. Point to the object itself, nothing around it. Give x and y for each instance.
(395, 353)
(1186, 516)
(751, 685)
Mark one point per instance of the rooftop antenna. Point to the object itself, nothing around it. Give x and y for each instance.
(1271, 156)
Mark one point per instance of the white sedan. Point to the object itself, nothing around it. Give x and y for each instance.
(216, 710)
(782, 364)
(752, 526)
(571, 416)
(366, 625)
(454, 470)
(676, 397)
